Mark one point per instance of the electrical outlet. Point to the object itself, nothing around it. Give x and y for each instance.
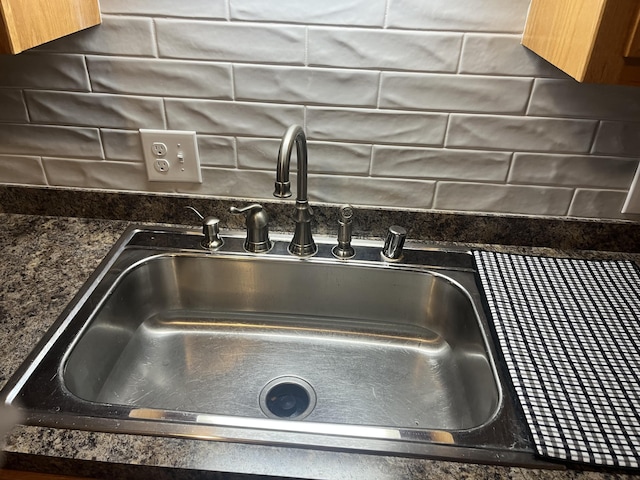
(171, 156)
(159, 149)
(161, 165)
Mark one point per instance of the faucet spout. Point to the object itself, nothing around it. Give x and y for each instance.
(302, 243)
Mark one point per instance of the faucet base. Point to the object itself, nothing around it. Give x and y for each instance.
(302, 250)
(302, 244)
(343, 252)
(262, 247)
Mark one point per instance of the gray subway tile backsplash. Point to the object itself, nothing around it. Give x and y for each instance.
(74, 142)
(457, 93)
(217, 151)
(357, 190)
(323, 157)
(520, 133)
(232, 118)
(440, 164)
(503, 198)
(24, 170)
(406, 104)
(122, 145)
(592, 203)
(572, 170)
(126, 36)
(13, 106)
(102, 174)
(167, 8)
(95, 110)
(231, 41)
(618, 138)
(168, 78)
(329, 12)
(303, 85)
(376, 126)
(48, 71)
(459, 15)
(567, 98)
(225, 182)
(378, 49)
(502, 54)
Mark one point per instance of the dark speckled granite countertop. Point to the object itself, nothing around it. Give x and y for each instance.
(45, 260)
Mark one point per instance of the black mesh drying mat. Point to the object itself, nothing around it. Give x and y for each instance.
(569, 331)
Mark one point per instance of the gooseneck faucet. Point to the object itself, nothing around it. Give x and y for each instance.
(302, 243)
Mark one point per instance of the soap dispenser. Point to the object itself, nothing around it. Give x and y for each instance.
(257, 240)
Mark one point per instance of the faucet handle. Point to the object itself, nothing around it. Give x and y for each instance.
(394, 242)
(257, 222)
(249, 208)
(210, 229)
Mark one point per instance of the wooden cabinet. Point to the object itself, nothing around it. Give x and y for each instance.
(595, 41)
(27, 23)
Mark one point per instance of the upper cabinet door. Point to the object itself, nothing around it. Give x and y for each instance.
(594, 41)
(27, 23)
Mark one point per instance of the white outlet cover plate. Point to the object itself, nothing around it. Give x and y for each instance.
(632, 203)
(182, 156)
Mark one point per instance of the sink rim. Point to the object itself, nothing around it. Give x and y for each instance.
(517, 447)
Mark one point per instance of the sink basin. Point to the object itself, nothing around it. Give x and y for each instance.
(206, 334)
(166, 338)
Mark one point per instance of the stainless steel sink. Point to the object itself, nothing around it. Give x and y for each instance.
(364, 354)
(206, 334)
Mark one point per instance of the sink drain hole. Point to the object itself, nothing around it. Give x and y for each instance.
(287, 397)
